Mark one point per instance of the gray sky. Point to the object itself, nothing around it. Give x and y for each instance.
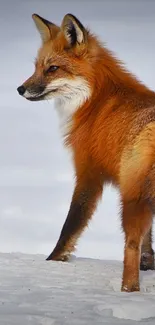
(36, 181)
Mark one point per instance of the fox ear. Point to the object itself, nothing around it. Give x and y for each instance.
(46, 29)
(74, 31)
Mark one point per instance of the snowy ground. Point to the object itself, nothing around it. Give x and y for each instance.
(82, 292)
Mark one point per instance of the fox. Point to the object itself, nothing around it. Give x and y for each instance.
(108, 122)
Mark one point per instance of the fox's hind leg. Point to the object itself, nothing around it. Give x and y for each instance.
(147, 253)
(137, 185)
(136, 222)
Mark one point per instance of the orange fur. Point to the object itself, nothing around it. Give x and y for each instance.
(112, 137)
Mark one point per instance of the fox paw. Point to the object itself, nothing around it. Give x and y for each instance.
(130, 288)
(147, 262)
(62, 257)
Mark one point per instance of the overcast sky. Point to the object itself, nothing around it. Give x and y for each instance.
(36, 180)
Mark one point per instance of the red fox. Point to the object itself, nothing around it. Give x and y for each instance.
(109, 123)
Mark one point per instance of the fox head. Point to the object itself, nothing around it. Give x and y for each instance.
(63, 66)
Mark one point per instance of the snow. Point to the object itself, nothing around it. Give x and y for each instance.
(83, 291)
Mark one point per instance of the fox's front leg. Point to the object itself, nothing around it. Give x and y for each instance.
(87, 191)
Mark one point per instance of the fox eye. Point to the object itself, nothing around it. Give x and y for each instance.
(52, 68)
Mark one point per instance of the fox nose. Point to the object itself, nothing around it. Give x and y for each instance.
(21, 90)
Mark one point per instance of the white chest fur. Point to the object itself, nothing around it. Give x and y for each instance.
(73, 95)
